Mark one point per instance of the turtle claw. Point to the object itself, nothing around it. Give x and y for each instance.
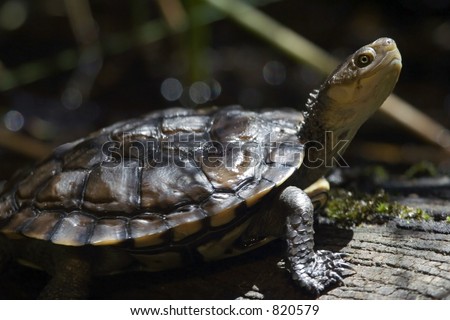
(340, 254)
(313, 270)
(324, 269)
(347, 266)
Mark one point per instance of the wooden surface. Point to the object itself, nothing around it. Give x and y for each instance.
(390, 263)
(401, 259)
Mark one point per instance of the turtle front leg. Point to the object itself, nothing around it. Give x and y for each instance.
(312, 270)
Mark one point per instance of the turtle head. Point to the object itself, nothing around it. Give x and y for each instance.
(348, 97)
(359, 86)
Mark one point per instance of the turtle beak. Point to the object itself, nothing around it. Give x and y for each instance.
(393, 57)
(396, 63)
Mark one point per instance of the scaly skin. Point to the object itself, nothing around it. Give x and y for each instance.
(349, 96)
(314, 271)
(345, 101)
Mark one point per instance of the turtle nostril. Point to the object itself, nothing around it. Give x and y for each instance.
(389, 42)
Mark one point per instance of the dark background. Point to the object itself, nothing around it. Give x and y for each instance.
(71, 97)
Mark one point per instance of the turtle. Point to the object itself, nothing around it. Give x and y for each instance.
(182, 186)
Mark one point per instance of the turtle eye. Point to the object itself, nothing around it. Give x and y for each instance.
(363, 60)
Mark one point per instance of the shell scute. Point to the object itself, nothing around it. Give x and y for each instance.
(73, 230)
(254, 192)
(42, 226)
(13, 226)
(229, 168)
(182, 183)
(186, 221)
(140, 131)
(288, 120)
(113, 189)
(223, 208)
(109, 231)
(278, 173)
(239, 126)
(288, 154)
(62, 190)
(148, 230)
(28, 187)
(190, 123)
(86, 154)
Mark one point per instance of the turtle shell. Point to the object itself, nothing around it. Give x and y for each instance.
(167, 179)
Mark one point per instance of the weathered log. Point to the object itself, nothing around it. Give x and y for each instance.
(389, 263)
(392, 263)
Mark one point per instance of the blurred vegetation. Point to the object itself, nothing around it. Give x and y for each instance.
(70, 67)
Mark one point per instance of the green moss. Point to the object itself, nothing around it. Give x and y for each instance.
(447, 219)
(406, 212)
(347, 208)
